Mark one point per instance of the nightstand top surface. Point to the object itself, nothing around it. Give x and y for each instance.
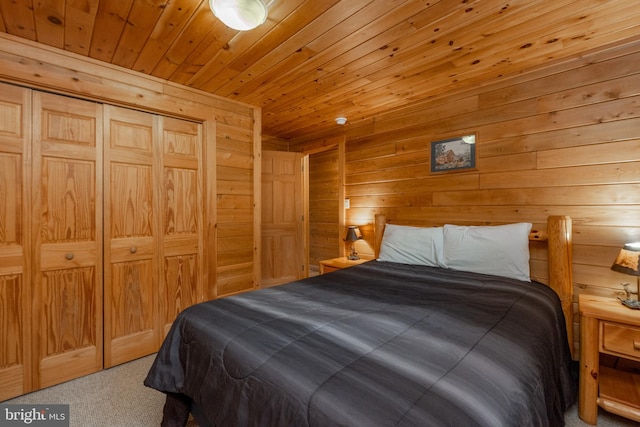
(342, 262)
(607, 308)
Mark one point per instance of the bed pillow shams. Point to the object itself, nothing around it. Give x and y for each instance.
(501, 250)
(412, 245)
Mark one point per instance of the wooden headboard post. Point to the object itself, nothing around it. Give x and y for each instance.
(560, 260)
(560, 253)
(378, 228)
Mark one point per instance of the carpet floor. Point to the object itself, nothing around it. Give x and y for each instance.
(116, 397)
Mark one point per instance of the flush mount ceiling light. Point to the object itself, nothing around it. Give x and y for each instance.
(341, 120)
(241, 15)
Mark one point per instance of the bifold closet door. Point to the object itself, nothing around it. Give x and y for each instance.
(67, 235)
(153, 236)
(132, 227)
(15, 244)
(181, 217)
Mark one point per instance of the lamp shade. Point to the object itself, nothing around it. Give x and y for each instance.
(353, 234)
(628, 260)
(240, 15)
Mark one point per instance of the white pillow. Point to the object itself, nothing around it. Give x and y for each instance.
(501, 250)
(412, 245)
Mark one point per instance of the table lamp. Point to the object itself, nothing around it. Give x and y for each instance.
(353, 234)
(628, 262)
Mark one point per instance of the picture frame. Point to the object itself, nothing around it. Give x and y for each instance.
(453, 154)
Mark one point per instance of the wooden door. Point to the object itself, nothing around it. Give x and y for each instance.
(15, 268)
(283, 248)
(67, 234)
(131, 233)
(181, 218)
(153, 228)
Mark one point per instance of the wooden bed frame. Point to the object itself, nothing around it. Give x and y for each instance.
(560, 259)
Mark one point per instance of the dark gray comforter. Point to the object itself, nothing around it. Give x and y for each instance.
(379, 344)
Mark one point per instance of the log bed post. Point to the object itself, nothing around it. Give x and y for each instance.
(378, 228)
(560, 261)
(559, 244)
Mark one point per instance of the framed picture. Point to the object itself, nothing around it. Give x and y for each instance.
(453, 154)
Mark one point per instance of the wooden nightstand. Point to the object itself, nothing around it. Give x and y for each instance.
(608, 327)
(329, 265)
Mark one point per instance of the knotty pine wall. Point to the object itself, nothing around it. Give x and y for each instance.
(563, 140)
(272, 143)
(238, 172)
(324, 207)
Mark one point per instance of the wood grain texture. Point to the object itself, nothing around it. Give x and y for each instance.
(67, 290)
(65, 159)
(235, 186)
(15, 242)
(324, 207)
(237, 126)
(132, 246)
(557, 141)
(182, 272)
(154, 228)
(313, 61)
(283, 241)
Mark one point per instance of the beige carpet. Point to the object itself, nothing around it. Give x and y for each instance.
(116, 397)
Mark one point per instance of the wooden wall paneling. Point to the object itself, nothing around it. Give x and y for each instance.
(257, 196)
(40, 66)
(342, 225)
(132, 242)
(235, 224)
(560, 140)
(324, 206)
(272, 143)
(67, 224)
(15, 241)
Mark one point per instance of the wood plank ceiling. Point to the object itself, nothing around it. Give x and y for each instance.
(315, 60)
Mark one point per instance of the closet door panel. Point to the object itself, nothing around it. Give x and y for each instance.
(131, 258)
(181, 218)
(15, 275)
(67, 175)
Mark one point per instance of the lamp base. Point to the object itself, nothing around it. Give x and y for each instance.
(353, 257)
(631, 303)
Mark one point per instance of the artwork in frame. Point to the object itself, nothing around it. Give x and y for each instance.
(453, 154)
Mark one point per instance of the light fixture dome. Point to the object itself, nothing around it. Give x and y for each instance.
(240, 15)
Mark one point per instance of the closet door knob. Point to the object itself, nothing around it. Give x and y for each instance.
(133, 249)
(69, 256)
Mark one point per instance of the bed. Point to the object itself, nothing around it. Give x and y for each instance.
(384, 343)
